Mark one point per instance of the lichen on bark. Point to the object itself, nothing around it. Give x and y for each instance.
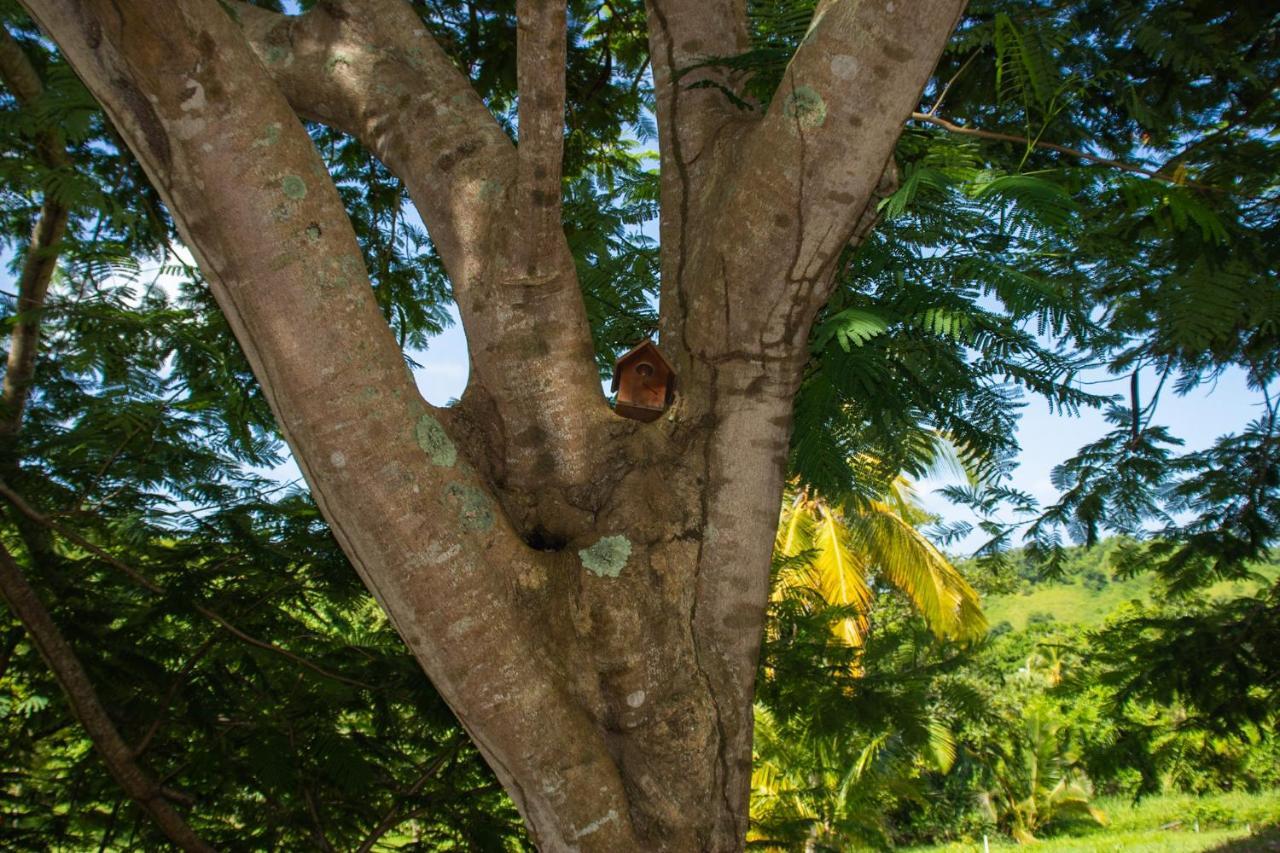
(608, 557)
(806, 107)
(472, 506)
(294, 187)
(432, 438)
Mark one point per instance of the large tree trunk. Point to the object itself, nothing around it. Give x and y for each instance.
(607, 673)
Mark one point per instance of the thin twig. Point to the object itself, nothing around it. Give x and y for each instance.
(942, 96)
(393, 818)
(170, 694)
(994, 136)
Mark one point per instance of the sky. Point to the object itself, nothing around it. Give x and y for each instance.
(1047, 438)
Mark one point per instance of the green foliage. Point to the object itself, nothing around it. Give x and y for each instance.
(845, 732)
(1160, 824)
(1036, 777)
(1037, 732)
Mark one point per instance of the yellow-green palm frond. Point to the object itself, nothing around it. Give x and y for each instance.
(795, 527)
(841, 547)
(838, 573)
(782, 784)
(942, 745)
(908, 561)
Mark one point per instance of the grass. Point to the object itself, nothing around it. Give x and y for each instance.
(1074, 603)
(1153, 841)
(1230, 822)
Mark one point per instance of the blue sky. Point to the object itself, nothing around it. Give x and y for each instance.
(1047, 439)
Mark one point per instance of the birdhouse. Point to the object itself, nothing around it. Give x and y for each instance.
(644, 383)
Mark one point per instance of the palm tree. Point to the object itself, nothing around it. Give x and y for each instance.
(1036, 774)
(849, 545)
(817, 787)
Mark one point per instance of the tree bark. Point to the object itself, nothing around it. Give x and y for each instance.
(608, 679)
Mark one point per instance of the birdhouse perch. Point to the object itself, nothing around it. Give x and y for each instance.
(644, 383)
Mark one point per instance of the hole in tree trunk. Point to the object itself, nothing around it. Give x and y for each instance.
(542, 540)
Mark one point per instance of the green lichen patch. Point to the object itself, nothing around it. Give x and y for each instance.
(313, 232)
(396, 90)
(432, 438)
(472, 505)
(416, 58)
(339, 274)
(492, 192)
(806, 107)
(607, 557)
(293, 187)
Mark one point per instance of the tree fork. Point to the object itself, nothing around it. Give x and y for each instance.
(372, 70)
(412, 514)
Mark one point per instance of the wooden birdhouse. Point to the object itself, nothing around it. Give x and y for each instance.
(644, 383)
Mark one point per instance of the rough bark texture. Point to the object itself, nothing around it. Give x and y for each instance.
(607, 673)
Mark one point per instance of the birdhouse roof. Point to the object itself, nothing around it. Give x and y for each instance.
(644, 348)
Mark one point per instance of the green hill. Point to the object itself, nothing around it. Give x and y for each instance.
(1088, 592)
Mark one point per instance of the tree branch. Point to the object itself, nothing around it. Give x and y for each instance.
(541, 51)
(20, 504)
(87, 708)
(38, 265)
(372, 69)
(961, 130)
(41, 255)
(393, 817)
(833, 123)
(694, 117)
(17, 72)
(152, 730)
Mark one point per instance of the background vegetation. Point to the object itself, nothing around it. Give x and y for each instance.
(1026, 734)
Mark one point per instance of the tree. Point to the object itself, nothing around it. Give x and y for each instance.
(846, 735)
(1141, 238)
(587, 594)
